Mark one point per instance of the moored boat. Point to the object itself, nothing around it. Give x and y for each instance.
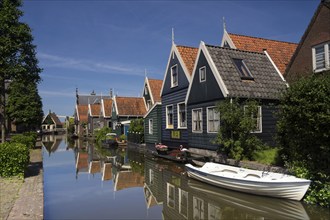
(250, 181)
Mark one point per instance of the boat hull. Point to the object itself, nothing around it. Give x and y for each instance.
(293, 189)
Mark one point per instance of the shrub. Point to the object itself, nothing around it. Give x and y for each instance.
(303, 133)
(100, 134)
(14, 158)
(234, 136)
(29, 139)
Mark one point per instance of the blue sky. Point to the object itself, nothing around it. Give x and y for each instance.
(102, 44)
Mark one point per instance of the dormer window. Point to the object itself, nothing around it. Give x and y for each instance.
(243, 71)
(146, 90)
(321, 57)
(202, 74)
(174, 76)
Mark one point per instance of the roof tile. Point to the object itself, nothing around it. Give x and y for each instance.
(189, 55)
(130, 106)
(280, 52)
(155, 87)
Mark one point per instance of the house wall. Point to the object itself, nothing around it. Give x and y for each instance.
(173, 96)
(173, 99)
(156, 116)
(302, 65)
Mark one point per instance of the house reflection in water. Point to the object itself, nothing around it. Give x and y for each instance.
(51, 142)
(107, 171)
(184, 198)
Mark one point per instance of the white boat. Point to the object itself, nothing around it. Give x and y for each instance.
(250, 181)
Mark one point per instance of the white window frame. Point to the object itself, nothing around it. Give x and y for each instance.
(169, 126)
(151, 126)
(198, 208)
(173, 84)
(169, 199)
(193, 120)
(146, 90)
(181, 208)
(200, 74)
(259, 119)
(214, 119)
(179, 115)
(326, 47)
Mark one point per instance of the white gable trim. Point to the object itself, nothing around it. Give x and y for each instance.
(77, 113)
(277, 70)
(174, 49)
(227, 38)
(115, 103)
(214, 70)
(102, 108)
(150, 110)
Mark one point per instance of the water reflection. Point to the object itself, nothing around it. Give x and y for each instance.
(108, 181)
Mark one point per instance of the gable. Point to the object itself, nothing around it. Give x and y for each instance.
(183, 81)
(317, 32)
(206, 90)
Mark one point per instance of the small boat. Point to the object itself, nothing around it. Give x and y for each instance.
(250, 181)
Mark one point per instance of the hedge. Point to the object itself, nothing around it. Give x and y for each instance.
(14, 158)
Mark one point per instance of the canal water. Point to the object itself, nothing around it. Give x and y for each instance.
(85, 181)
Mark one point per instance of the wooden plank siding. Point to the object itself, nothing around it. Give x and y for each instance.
(173, 96)
(201, 140)
(156, 116)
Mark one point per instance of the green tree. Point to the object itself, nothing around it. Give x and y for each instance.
(234, 136)
(18, 60)
(304, 134)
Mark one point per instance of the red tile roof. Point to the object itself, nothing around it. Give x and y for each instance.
(130, 106)
(189, 55)
(107, 105)
(82, 113)
(95, 110)
(280, 52)
(155, 87)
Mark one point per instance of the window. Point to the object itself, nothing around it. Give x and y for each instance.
(257, 118)
(197, 120)
(321, 57)
(202, 74)
(174, 76)
(151, 177)
(170, 195)
(213, 120)
(151, 126)
(182, 116)
(169, 116)
(149, 104)
(244, 72)
(198, 208)
(183, 203)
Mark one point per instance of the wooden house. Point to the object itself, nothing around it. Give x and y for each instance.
(106, 113)
(279, 52)
(153, 117)
(82, 102)
(313, 52)
(51, 124)
(176, 80)
(81, 119)
(94, 118)
(221, 73)
(124, 109)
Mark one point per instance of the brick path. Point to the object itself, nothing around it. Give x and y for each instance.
(30, 202)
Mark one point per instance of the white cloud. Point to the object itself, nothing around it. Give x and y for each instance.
(46, 93)
(50, 60)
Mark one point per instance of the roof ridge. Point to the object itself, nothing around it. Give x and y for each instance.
(263, 38)
(227, 48)
(187, 46)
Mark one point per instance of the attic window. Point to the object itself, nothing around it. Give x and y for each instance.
(225, 44)
(174, 76)
(244, 72)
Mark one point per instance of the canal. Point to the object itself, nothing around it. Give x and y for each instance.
(85, 181)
